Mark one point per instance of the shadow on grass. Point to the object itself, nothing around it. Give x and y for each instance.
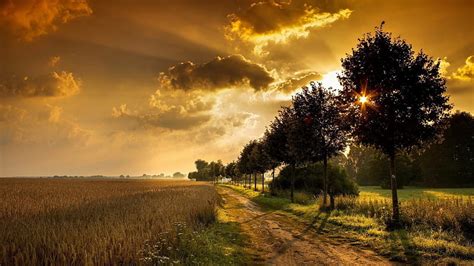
(402, 247)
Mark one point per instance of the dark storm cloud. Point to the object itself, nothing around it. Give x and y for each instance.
(219, 73)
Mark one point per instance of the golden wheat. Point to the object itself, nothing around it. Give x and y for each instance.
(73, 221)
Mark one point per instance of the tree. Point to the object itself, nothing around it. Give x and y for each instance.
(245, 164)
(395, 97)
(230, 171)
(287, 133)
(450, 163)
(274, 141)
(215, 170)
(201, 165)
(321, 122)
(261, 161)
(178, 175)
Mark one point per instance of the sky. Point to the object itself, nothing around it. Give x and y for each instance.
(149, 86)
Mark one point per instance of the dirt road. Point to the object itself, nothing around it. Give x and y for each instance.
(277, 239)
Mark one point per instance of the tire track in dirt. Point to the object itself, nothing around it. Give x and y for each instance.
(277, 239)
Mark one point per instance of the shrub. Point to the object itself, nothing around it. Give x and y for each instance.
(310, 179)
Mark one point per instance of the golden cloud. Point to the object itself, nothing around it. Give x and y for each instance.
(170, 109)
(299, 80)
(277, 22)
(465, 72)
(29, 19)
(56, 84)
(219, 73)
(443, 67)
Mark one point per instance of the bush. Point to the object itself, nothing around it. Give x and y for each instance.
(310, 179)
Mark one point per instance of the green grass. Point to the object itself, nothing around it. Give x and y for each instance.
(414, 244)
(415, 192)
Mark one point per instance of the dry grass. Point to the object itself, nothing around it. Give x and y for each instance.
(455, 213)
(46, 221)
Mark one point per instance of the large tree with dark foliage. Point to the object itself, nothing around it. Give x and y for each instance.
(322, 131)
(396, 97)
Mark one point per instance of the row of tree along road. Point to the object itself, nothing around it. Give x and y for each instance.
(392, 101)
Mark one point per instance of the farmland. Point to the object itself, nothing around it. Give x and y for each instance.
(49, 221)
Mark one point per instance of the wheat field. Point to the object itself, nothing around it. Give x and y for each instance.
(74, 221)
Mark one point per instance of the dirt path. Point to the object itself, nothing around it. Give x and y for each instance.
(278, 239)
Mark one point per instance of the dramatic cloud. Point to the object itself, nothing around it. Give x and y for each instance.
(220, 73)
(56, 84)
(299, 80)
(277, 22)
(465, 72)
(29, 19)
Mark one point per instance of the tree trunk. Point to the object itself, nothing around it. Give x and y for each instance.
(325, 180)
(255, 181)
(393, 184)
(250, 181)
(272, 190)
(292, 185)
(263, 182)
(245, 181)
